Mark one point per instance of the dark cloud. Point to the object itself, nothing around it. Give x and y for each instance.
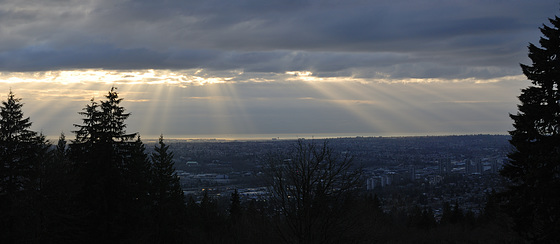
(436, 39)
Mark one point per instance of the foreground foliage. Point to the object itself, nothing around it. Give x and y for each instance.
(534, 166)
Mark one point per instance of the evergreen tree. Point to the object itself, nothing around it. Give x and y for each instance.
(236, 221)
(22, 151)
(533, 169)
(235, 209)
(193, 209)
(60, 150)
(17, 143)
(136, 202)
(135, 172)
(87, 134)
(102, 136)
(166, 183)
(169, 209)
(109, 164)
(208, 209)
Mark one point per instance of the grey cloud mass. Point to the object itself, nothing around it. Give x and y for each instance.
(399, 39)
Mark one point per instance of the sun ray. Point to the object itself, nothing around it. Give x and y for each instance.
(245, 124)
(360, 104)
(184, 101)
(142, 102)
(414, 105)
(404, 105)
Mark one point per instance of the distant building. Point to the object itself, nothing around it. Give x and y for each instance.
(389, 178)
(479, 167)
(370, 183)
(445, 166)
(497, 166)
(412, 173)
(378, 181)
(192, 163)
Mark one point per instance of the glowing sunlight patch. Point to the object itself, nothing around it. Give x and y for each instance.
(307, 76)
(180, 78)
(201, 77)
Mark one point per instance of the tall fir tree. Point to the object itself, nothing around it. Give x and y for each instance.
(533, 168)
(22, 153)
(235, 210)
(136, 196)
(108, 162)
(169, 209)
(17, 142)
(136, 173)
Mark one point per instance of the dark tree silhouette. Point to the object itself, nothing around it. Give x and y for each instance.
(166, 183)
(533, 169)
(22, 152)
(235, 209)
(168, 200)
(136, 200)
(60, 217)
(309, 188)
(18, 146)
(113, 171)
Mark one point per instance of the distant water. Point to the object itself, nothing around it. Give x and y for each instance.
(303, 135)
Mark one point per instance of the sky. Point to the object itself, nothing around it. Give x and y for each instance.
(290, 68)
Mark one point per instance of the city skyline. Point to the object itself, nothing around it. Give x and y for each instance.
(247, 69)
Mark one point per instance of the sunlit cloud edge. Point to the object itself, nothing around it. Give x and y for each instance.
(201, 77)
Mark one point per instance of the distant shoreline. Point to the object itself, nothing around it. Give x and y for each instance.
(292, 136)
(287, 137)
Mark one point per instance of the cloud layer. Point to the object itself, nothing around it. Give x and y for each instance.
(371, 39)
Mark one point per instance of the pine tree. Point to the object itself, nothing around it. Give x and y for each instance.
(533, 169)
(112, 119)
(169, 209)
(16, 143)
(60, 150)
(235, 210)
(22, 151)
(165, 179)
(107, 160)
(102, 136)
(87, 134)
(136, 172)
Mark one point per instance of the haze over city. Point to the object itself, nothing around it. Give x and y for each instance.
(246, 69)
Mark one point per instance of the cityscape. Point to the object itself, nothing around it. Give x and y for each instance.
(428, 171)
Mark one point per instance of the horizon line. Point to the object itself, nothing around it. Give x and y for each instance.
(294, 136)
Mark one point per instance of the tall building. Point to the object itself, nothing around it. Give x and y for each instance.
(479, 166)
(370, 183)
(445, 166)
(497, 165)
